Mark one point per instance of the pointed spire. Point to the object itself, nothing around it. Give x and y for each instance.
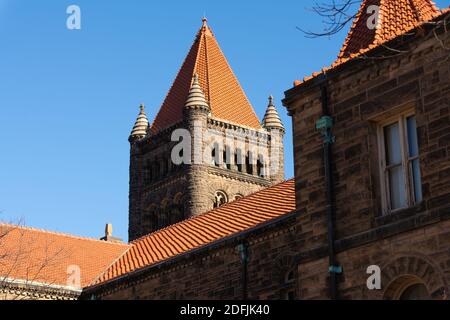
(141, 125)
(272, 119)
(223, 92)
(196, 97)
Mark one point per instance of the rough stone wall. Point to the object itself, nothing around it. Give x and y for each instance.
(162, 194)
(361, 95)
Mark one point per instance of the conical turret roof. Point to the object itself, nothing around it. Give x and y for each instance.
(272, 118)
(196, 97)
(141, 125)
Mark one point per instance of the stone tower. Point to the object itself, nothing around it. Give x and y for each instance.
(206, 146)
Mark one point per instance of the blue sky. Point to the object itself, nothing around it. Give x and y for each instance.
(68, 99)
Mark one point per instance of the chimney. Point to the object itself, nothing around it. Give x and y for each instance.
(109, 235)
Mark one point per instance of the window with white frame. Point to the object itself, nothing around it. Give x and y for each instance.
(400, 167)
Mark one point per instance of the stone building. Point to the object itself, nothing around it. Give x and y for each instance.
(367, 214)
(372, 187)
(371, 145)
(162, 191)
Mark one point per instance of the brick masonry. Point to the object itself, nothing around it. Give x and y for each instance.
(409, 246)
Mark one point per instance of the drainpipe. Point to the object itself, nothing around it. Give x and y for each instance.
(243, 254)
(324, 125)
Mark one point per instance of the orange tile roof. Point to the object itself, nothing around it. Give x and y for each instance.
(396, 17)
(203, 230)
(221, 87)
(40, 256)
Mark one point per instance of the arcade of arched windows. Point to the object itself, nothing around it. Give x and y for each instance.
(158, 169)
(168, 212)
(236, 160)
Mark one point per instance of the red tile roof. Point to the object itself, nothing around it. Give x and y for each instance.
(221, 87)
(203, 230)
(396, 17)
(40, 256)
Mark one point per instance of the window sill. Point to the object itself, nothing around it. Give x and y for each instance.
(400, 214)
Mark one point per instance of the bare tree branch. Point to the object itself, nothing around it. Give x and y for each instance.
(335, 14)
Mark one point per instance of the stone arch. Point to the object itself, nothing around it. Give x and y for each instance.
(150, 218)
(283, 265)
(261, 166)
(177, 208)
(237, 196)
(164, 213)
(286, 271)
(220, 198)
(405, 270)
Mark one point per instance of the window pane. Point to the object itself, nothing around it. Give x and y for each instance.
(392, 143)
(417, 180)
(412, 136)
(397, 188)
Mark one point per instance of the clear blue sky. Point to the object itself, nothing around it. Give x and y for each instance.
(68, 99)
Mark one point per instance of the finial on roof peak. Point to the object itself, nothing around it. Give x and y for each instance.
(196, 97)
(204, 21)
(271, 118)
(141, 125)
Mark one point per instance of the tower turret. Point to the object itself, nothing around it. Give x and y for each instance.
(140, 127)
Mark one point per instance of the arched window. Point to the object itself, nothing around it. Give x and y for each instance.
(249, 163)
(260, 166)
(148, 172)
(156, 170)
(238, 197)
(164, 214)
(238, 160)
(177, 209)
(215, 161)
(149, 221)
(416, 291)
(289, 291)
(227, 157)
(220, 198)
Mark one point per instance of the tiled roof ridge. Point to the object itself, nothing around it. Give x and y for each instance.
(344, 60)
(61, 234)
(226, 205)
(352, 30)
(239, 83)
(204, 28)
(101, 274)
(197, 39)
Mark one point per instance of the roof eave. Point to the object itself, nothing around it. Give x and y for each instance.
(186, 255)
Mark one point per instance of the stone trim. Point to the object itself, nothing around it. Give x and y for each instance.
(417, 221)
(408, 268)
